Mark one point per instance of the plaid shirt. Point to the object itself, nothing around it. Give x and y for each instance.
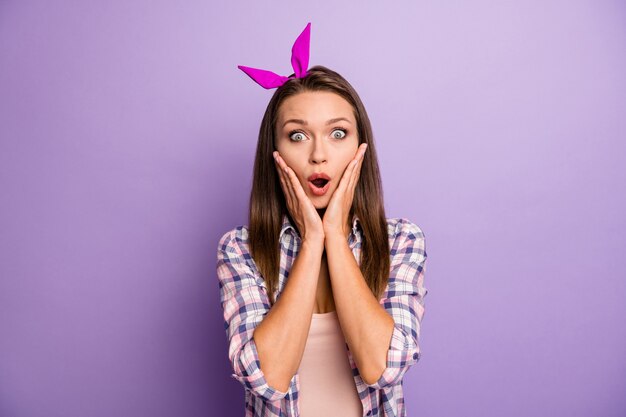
(243, 295)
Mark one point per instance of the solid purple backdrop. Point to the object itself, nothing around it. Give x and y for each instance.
(127, 137)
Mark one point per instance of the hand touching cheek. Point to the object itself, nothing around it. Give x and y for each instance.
(300, 207)
(336, 216)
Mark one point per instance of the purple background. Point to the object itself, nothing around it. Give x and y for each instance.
(127, 141)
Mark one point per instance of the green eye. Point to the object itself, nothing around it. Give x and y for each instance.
(341, 135)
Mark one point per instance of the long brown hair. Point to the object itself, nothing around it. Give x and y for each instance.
(268, 204)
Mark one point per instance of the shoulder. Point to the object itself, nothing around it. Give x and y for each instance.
(234, 260)
(235, 238)
(403, 227)
(406, 240)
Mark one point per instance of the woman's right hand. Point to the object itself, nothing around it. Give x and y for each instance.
(300, 206)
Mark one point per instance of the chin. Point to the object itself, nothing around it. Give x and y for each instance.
(321, 205)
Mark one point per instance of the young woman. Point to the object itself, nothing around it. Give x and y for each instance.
(322, 294)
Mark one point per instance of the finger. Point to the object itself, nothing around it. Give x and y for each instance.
(284, 185)
(288, 182)
(298, 194)
(356, 174)
(349, 172)
(281, 177)
(295, 185)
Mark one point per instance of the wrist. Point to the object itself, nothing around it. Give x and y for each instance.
(334, 236)
(314, 242)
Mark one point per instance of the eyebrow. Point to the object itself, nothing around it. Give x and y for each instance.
(304, 122)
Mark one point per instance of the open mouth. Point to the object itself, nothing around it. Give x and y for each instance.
(319, 183)
(319, 186)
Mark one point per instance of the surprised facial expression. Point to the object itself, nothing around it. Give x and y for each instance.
(316, 135)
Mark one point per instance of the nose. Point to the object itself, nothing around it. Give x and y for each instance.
(318, 153)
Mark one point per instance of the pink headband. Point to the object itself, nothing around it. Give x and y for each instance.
(299, 62)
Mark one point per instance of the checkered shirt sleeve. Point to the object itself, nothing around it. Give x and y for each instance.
(245, 303)
(404, 301)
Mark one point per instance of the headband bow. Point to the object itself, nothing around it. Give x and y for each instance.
(299, 62)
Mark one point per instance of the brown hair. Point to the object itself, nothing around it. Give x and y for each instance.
(268, 204)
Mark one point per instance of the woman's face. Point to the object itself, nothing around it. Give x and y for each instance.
(316, 132)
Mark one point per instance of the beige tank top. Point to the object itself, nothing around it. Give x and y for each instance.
(327, 386)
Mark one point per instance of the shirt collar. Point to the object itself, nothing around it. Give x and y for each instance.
(356, 226)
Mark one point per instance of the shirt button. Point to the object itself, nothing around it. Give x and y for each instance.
(415, 356)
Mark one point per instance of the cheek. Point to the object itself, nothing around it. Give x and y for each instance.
(346, 161)
(296, 167)
(349, 153)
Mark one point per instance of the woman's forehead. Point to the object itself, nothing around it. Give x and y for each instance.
(315, 107)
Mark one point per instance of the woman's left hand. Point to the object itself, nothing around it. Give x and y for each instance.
(336, 215)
